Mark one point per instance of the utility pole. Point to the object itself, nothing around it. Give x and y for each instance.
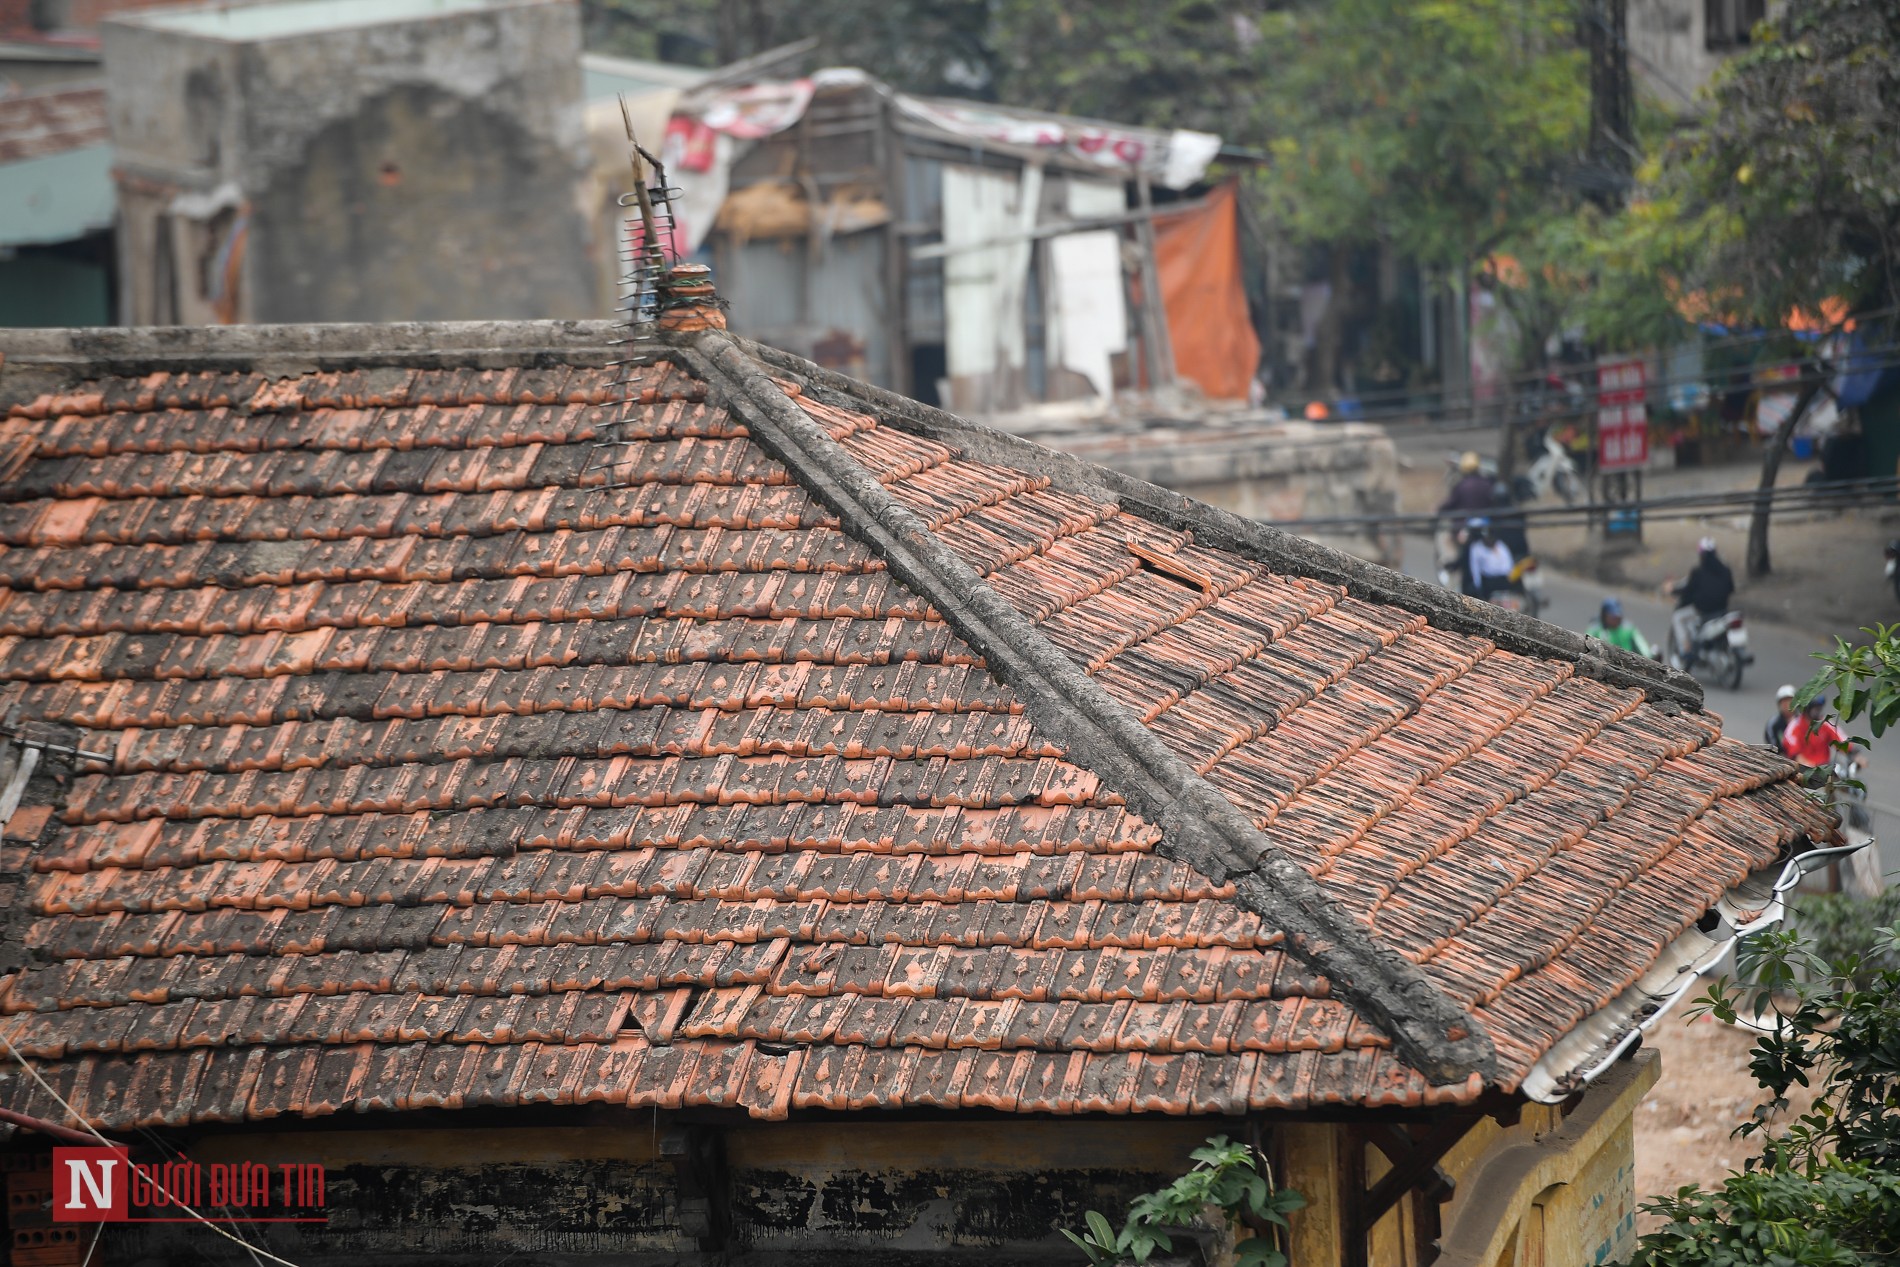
(1609, 171)
(1612, 146)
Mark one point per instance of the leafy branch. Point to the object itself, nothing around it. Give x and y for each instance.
(1864, 679)
(1825, 1191)
(1226, 1176)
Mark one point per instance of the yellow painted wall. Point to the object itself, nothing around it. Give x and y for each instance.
(1550, 1190)
(1554, 1194)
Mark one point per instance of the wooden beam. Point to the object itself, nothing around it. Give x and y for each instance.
(1355, 1245)
(1053, 229)
(698, 1157)
(1154, 315)
(748, 69)
(1414, 1164)
(1310, 1165)
(891, 165)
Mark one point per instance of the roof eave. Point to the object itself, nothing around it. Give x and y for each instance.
(1597, 1042)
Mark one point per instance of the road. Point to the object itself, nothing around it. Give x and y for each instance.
(1781, 655)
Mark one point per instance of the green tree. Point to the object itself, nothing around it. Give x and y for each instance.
(1169, 63)
(1825, 1190)
(1783, 198)
(1229, 1189)
(927, 46)
(1444, 129)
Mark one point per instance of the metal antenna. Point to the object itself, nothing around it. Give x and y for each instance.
(645, 257)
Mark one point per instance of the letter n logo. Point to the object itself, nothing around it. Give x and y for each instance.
(89, 1184)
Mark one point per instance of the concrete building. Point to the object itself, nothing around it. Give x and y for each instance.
(56, 207)
(1676, 45)
(351, 160)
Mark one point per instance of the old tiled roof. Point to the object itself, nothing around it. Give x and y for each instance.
(459, 761)
(51, 121)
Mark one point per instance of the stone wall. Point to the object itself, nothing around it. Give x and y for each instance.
(408, 161)
(872, 1192)
(1274, 472)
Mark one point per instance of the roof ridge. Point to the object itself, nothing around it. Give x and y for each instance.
(1199, 825)
(1263, 543)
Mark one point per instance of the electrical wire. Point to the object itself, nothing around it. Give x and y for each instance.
(1866, 360)
(1845, 495)
(1461, 400)
(93, 1131)
(1585, 404)
(1622, 42)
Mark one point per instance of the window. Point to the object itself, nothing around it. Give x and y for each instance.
(1726, 24)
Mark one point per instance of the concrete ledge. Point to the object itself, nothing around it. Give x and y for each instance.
(122, 350)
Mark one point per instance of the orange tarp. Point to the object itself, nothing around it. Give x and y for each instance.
(1197, 254)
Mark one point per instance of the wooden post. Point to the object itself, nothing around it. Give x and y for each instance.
(814, 209)
(1312, 1168)
(890, 146)
(1156, 344)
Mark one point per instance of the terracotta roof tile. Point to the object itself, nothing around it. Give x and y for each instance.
(449, 772)
(52, 121)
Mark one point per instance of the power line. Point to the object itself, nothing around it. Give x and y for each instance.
(1621, 40)
(1796, 497)
(1584, 403)
(1449, 399)
(88, 1127)
(1856, 362)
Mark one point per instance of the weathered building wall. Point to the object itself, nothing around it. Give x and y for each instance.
(878, 1192)
(1531, 1186)
(1674, 51)
(354, 162)
(820, 300)
(1556, 1189)
(1271, 472)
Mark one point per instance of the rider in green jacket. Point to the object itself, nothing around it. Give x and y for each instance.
(1612, 628)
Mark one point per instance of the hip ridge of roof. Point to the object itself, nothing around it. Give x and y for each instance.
(1263, 543)
(1200, 826)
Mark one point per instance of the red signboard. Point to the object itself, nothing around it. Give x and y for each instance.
(1622, 418)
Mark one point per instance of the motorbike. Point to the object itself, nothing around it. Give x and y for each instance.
(1893, 565)
(1553, 471)
(1848, 793)
(1858, 873)
(1721, 647)
(1525, 591)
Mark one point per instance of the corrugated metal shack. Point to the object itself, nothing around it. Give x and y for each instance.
(966, 254)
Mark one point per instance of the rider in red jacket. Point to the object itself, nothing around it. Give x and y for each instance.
(1810, 738)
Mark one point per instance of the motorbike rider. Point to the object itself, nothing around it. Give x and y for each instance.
(1784, 714)
(1614, 628)
(1488, 562)
(1474, 494)
(1811, 739)
(1702, 596)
